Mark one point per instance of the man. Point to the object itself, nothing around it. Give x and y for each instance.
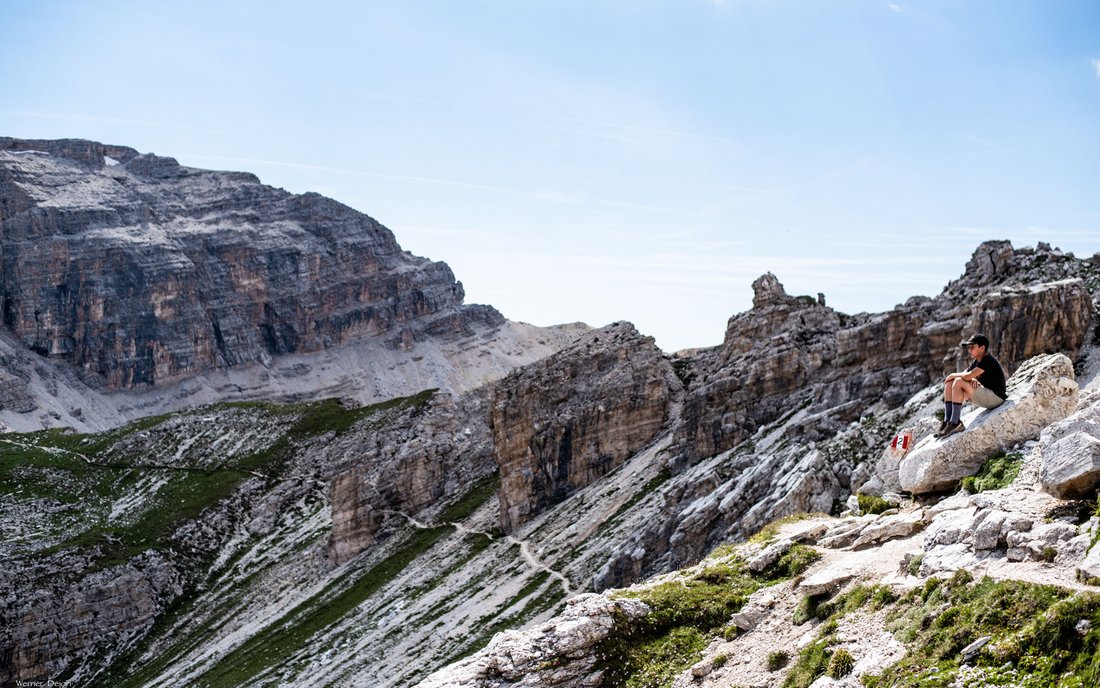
(983, 384)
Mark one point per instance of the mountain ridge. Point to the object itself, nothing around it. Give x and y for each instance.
(334, 543)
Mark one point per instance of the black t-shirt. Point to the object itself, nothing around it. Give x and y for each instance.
(993, 375)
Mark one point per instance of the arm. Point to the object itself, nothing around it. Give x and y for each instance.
(969, 376)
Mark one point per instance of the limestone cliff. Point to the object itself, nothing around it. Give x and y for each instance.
(141, 271)
(141, 285)
(563, 423)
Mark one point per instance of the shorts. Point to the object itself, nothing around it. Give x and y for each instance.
(985, 398)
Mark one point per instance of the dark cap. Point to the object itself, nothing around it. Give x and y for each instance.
(979, 339)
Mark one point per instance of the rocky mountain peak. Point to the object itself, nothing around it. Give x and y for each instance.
(141, 271)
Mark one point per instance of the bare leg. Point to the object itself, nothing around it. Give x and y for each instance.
(960, 391)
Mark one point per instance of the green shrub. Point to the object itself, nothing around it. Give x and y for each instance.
(915, 564)
(870, 504)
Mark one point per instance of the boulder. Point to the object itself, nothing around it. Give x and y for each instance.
(558, 652)
(1088, 571)
(1041, 392)
(827, 580)
(1070, 466)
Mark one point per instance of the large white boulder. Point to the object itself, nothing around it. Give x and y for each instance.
(1043, 391)
(1070, 466)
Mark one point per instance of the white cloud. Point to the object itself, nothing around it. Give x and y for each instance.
(896, 7)
(1096, 66)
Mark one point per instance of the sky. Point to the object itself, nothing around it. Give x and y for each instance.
(604, 160)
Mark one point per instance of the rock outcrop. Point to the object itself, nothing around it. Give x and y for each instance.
(788, 352)
(1041, 392)
(560, 424)
(140, 271)
(436, 453)
(616, 462)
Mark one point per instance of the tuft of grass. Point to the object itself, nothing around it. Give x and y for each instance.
(809, 608)
(794, 563)
(812, 663)
(769, 533)
(841, 664)
(870, 504)
(995, 474)
(777, 660)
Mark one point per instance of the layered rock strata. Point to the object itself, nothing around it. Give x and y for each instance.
(400, 473)
(140, 271)
(561, 424)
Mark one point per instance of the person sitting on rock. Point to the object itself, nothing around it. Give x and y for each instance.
(982, 384)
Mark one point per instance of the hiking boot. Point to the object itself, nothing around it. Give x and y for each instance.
(953, 428)
(943, 426)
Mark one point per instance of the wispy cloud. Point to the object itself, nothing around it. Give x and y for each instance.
(1096, 66)
(896, 7)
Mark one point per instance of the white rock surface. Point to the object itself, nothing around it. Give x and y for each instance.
(1041, 392)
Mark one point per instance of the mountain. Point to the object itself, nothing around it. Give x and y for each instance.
(478, 537)
(131, 285)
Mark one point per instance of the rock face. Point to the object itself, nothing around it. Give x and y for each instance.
(106, 611)
(564, 422)
(441, 451)
(140, 271)
(1041, 392)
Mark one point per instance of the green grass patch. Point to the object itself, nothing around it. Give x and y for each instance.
(996, 473)
(685, 615)
(1038, 637)
(793, 563)
(777, 660)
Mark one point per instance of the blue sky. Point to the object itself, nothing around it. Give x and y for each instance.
(600, 160)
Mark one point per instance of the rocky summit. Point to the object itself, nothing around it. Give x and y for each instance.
(575, 507)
